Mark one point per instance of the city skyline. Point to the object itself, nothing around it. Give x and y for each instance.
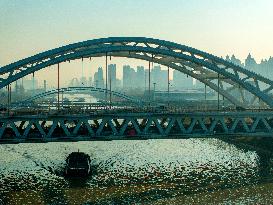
(139, 75)
(98, 74)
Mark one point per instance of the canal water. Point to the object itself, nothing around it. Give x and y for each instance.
(188, 171)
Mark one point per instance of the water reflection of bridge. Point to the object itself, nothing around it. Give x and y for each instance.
(116, 126)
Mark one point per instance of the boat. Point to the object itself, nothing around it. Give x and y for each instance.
(78, 164)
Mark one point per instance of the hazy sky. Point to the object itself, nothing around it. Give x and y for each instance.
(219, 27)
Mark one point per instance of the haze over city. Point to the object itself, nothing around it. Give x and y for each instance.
(219, 27)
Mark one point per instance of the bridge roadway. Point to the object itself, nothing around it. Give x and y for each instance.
(122, 126)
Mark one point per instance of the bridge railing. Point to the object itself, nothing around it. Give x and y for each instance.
(106, 108)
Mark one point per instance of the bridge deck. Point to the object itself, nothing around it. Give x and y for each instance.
(124, 126)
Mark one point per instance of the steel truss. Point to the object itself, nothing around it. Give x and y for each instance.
(236, 84)
(135, 126)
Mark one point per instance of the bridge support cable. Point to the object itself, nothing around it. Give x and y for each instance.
(168, 85)
(205, 92)
(16, 88)
(8, 99)
(82, 74)
(33, 83)
(90, 73)
(154, 92)
(145, 79)
(10, 94)
(206, 104)
(22, 82)
(218, 92)
(58, 89)
(62, 98)
(149, 76)
(106, 78)
(110, 86)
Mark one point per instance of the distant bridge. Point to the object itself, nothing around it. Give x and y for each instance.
(117, 126)
(81, 89)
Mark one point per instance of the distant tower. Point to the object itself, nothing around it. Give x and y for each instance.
(250, 62)
(227, 58)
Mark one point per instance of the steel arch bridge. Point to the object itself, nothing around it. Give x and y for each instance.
(238, 85)
(85, 89)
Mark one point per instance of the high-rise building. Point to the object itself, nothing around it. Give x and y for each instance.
(234, 60)
(160, 77)
(98, 78)
(112, 74)
(140, 77)
(250, 62)
(182, 81)
(129, 77)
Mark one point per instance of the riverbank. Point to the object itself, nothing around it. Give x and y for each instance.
(263, 146)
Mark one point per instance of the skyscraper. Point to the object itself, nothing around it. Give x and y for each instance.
(126, 76)
(112, 75)
(98, 78)
(140, 77)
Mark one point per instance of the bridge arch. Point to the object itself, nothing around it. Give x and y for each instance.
(233, 82)
(75, 89)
